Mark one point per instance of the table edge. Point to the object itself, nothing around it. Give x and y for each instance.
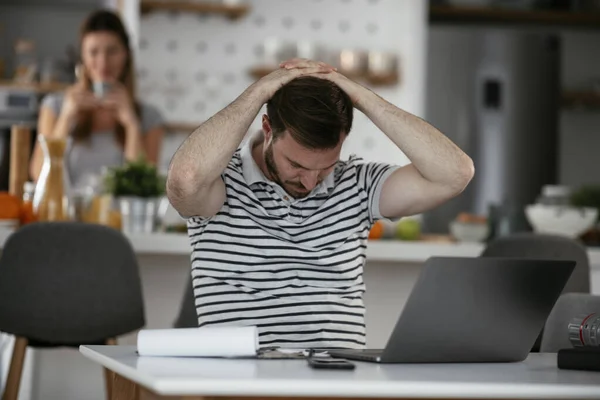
(364, 390)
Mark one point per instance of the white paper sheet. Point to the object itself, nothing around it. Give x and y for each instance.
(199, 342)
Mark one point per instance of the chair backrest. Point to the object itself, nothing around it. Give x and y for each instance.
(187, 318)
(69, 283)
(531, 245)
(568, 306)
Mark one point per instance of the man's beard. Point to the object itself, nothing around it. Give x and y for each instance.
(272, 168)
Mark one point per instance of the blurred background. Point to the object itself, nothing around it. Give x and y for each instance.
(515, 84)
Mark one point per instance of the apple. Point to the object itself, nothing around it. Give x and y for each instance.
(408, 229)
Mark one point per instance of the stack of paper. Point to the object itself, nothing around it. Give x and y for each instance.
(199, 342)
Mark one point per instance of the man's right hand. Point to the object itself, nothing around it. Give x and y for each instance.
(287, 71)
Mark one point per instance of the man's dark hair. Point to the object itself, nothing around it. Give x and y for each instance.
(315, 112)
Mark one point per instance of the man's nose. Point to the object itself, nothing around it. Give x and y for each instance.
(310, 179)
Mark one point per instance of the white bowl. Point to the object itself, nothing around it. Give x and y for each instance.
(469, 232)
(561, 220)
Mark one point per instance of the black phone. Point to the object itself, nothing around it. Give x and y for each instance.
(329, 363)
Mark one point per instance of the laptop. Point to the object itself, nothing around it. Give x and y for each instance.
(482, 309)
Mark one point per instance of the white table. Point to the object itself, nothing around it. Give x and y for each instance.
(195, 378)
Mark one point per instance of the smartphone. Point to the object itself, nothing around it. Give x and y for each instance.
(329, 363)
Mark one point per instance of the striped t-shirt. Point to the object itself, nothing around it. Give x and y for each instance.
(291, 267)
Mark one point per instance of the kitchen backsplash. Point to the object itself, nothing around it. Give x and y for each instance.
(190, 66)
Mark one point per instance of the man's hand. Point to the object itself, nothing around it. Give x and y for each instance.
(355, 91)
(288, 71)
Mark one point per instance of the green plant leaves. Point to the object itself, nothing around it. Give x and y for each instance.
(587, 196)
(136, 178)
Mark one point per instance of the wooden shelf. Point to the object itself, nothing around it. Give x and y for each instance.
(200, 7)
(504, 16)
(41, 88)
(581, 100)
(374, 80)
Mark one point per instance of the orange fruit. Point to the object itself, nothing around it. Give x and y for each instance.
(10, 206)
(376, 231)
(467, 218)
(27, 214)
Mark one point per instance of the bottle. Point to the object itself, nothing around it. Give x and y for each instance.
(584, 330)
(51, 201)
(27, 214)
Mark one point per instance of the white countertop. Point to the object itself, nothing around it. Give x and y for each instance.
(537, 377)
(177, 244)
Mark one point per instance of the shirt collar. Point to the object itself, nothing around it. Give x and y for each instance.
(253, 174)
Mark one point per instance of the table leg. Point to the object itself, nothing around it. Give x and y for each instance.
(124, 389)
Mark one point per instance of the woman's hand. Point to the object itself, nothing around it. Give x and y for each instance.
(119, 100)
(78, 98)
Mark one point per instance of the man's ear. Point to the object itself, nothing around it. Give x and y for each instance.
(266, 127)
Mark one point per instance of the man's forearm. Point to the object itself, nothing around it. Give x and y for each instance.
(204, 155)
(431, 152)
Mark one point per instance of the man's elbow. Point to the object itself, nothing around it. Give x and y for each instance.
(464, 174)
(179, 187)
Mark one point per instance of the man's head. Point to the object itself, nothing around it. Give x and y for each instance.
(306, 123)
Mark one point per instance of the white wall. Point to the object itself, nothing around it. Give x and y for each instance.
(192, 66)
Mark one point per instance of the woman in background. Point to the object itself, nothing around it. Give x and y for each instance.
(99, 112)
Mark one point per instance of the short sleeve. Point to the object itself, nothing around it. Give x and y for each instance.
(151, 118)
(53, 101)
(371, 177)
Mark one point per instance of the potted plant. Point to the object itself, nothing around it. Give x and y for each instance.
(137, 188)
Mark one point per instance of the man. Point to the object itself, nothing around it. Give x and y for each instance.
(279, 227)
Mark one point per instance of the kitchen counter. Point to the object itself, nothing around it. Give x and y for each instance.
(388, 251)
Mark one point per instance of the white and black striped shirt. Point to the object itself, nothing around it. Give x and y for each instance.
(291, 267)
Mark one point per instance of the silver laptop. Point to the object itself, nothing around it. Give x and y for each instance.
(472, 310)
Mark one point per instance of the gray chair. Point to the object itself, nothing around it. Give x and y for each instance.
(187, 317)
(67, 284)
(569, 305)
(531, 245)
(540, 246)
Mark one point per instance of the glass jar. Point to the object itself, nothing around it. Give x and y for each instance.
(51, 201)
